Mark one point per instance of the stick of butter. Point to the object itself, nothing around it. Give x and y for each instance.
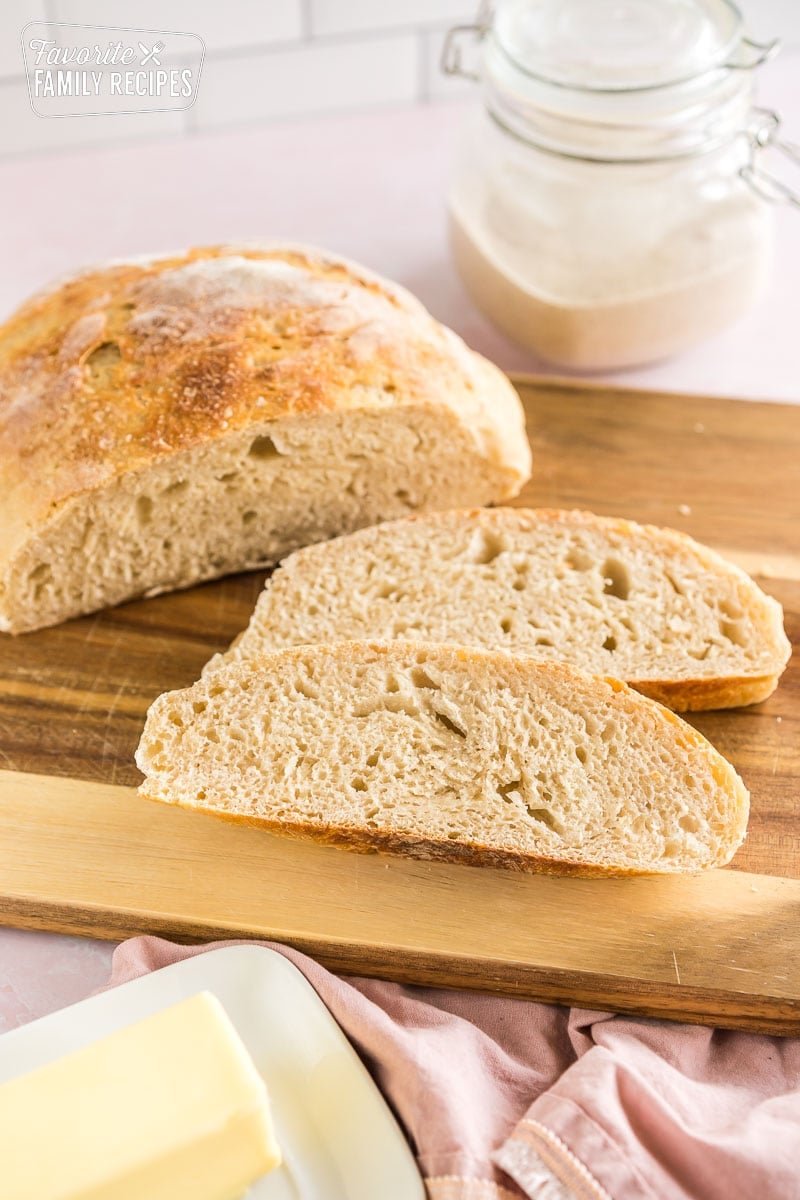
(170, 1108)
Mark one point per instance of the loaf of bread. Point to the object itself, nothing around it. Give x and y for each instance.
(167, 421)
(649, 606)
(442, 752)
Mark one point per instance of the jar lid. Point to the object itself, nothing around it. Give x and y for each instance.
(617, 45)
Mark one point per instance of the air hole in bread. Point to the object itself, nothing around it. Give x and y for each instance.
(263, 448)
(227, 476)
(174, 489)
(700, 654)
(176, 720)
(390, 591)
(673, 583)
(731, 609)
(616, 579)
(249, 516)
(484, 547)
(392, 684)
(305, 688)
(87, 529)
(422, 679)
(200, 795)
(543, 641)
(212, 736)
(506, 625)
(581, 754)
(448, 724)
(403, 496)
(42, 572)
(154, 750)
(144, 509)
(519, 584)
(508, 790)
(544, 817)
(373, 759)
(610, 643)
(199, 706)
(358, 785)
(689, 822)
(734, 631)
(579, 560)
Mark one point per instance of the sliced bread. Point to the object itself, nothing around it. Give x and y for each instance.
(647, 605)
(441, 752)
(171, 420)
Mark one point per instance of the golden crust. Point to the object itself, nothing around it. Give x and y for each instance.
(118, 367)
(700, 695)
(465, 854)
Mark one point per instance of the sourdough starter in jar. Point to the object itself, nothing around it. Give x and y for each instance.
(605, 228)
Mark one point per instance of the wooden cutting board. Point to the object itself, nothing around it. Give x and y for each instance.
(79, 852)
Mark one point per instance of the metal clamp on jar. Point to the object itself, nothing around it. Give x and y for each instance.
(610, 207)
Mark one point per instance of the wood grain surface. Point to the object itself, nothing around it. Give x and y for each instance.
(690, 948)
(96, 859)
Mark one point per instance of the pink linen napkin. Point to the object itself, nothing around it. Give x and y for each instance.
(507, 1098)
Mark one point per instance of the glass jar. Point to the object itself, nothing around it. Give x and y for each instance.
(607, 208)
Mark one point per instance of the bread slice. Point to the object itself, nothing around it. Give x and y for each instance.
(442, 752)
(648, 605)
(168, 421)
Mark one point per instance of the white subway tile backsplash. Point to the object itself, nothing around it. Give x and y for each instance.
(268, 59)
(222, 25)
(315, 78)
(13, 19)
(437, 85)
(350, 16)
(22, 132)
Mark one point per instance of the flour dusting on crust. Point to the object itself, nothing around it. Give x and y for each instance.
(200, 300)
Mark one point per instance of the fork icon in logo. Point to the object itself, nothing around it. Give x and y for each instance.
(151, 55)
